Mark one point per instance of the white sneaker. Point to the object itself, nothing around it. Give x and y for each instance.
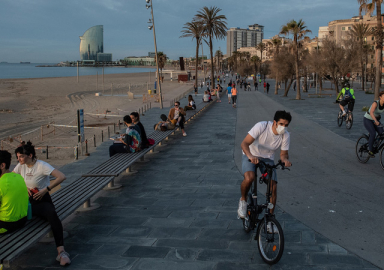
(184, 134)
(242, 211)
(344, 113)
(269, 228)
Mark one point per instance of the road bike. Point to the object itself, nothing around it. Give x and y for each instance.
(348, 117)
(362, 148)
(269, 234)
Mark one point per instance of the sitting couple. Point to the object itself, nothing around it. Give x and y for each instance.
(134, 139)
(176, 118)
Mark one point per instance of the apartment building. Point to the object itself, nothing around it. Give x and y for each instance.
(238, 38)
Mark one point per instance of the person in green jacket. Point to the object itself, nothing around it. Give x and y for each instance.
(348, 98)
(13, 197)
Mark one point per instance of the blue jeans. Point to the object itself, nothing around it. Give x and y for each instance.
(372, 129)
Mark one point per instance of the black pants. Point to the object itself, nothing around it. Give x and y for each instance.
(234, 98)
(181, 122)
(12, 226)
(117, 148)
(372, 129)
(351, 104)
(46, 210)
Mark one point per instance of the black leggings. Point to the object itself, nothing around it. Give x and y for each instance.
(12, 226)
(234, 98)
(182, 120)
(46, 210)
(372, 129)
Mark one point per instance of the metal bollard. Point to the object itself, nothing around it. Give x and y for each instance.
(47, 151)
(76, 152)
(94, 140)
(109, 135)
(114, 128)
(86, 148)
(102, 136)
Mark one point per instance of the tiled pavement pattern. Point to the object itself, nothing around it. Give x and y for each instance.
(179, 212)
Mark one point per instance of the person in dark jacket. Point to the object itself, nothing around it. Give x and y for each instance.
(136, 120)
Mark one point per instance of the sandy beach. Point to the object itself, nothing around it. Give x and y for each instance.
(32, 109)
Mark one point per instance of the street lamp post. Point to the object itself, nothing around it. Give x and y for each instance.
(150, 5)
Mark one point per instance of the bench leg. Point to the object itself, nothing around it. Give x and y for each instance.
(112, 186)
(130, 171)
(142, 160)
(153, 151)
(88, 207)
(48, 238)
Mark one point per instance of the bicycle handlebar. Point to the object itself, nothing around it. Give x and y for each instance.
(279, 163)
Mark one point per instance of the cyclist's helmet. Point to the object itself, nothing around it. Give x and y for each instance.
(347, 85)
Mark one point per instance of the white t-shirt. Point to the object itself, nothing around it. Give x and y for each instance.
(266, 142)
(206, 97)
(36, 176)
(191, 103)
(176, 114)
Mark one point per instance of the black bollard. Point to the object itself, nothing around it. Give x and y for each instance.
(47, 151)
(102, 136)
(94, 140)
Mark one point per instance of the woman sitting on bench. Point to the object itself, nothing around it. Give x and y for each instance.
(36, 176)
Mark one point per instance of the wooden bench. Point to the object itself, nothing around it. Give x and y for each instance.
(68, 199)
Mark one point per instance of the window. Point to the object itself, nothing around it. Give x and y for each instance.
(371, 65)
(342, 28)
(373, 38)
(372, 56)
(349, 28)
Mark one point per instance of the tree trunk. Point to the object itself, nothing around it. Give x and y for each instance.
(287, 88)
(298, 95)
(197, 61)
(378, 53)
(320, 83)
(276, 83)
(212, 71)
(336, 85)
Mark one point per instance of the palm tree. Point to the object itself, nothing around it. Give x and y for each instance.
(359, 32)
(370, 7)
(298, 30)
(162, 58)
(276, 42)
(219, 56)
(261, 47)
(236, 55)
(215, 26)
(195, 31)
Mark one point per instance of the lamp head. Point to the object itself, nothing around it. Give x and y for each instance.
(150, 27)
(147, 6)
(148, 1)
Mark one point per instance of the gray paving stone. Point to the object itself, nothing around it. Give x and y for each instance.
(192, 244)
(161, 264)
(101, 262)
(335, 260)
(175, 233)
(182, 254)
(243, 256)
(111, 250)
(146, 252)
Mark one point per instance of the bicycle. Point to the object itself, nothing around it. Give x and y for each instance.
(362, 148)
(348, 117)
(270, 241)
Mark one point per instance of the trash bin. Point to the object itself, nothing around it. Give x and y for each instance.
(154, 91)
(149, 92)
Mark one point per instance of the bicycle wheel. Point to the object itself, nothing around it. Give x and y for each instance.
(248, 221)
(362, 149)
(382, 158)
(270, 243)
(349, 121)
(340, 118)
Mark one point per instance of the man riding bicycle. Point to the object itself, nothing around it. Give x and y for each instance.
(260, 144)
(348, 98)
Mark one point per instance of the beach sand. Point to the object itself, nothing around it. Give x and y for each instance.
(31, 107)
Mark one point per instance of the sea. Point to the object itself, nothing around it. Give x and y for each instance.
(22, 71)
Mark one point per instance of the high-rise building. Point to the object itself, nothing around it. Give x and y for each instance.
(91, 43)
(238, 38)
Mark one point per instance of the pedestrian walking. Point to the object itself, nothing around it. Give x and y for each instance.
(265, 86)
(268, 85)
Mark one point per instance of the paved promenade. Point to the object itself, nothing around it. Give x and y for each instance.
(179, 210)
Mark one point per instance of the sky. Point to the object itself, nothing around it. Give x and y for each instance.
(47, 31)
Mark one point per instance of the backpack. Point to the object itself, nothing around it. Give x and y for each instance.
(347, 93)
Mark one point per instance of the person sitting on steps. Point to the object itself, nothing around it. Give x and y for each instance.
(136, 120)
(191, 104)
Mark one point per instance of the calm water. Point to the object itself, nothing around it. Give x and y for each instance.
(17, 71)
